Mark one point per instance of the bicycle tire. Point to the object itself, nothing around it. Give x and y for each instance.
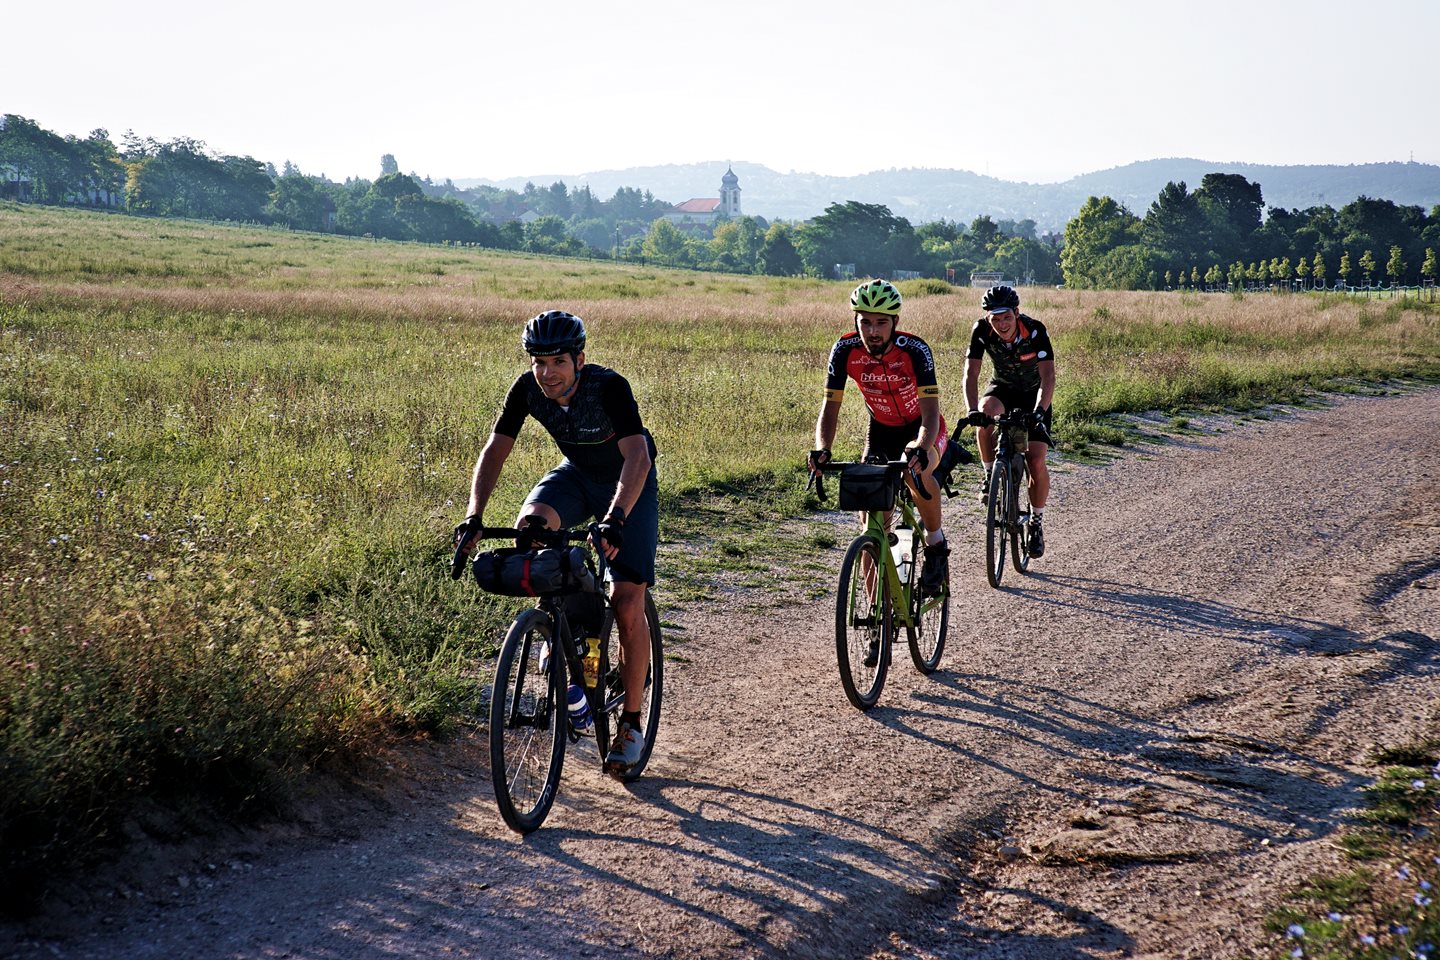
(528, 723)
(855, 643)
(650, 705)
(1020, 529)
(995, 533)
(929, 623)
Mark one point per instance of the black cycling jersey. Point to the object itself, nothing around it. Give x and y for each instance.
(1016, 364)
(602, 411)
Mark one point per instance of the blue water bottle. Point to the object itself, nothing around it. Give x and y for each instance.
(579, 707)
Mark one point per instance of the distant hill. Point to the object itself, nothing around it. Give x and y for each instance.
(922, 195)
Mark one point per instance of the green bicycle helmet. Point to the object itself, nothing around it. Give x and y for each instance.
(876, 296)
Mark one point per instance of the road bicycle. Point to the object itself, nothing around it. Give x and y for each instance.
(880, 582)
(544, 652)
(1007, 505)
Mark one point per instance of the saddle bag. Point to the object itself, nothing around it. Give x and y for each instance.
(512, 572)
(866, 486)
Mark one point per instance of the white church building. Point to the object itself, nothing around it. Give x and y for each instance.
(705, 211)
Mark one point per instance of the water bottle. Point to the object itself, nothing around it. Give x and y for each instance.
(900, 550)
(579, 707)
(591, 662)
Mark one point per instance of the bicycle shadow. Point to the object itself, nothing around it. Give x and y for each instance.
(821, 882)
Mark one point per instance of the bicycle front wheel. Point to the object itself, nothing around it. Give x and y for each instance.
(929, 623)
(995, 533)
(863, 621)
(650, 699)
(528, 722)
(1020, 529)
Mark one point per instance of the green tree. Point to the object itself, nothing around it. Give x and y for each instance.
(1345, 267)
(1317, 269)
(1302, 271)
(1101, 226)
(1232, 208)
(388, 166)
(1428, 268)
(666, 244)
(1367, 265)
(1395, 266)
(778, 256)
(1174, 225)
(865, 234)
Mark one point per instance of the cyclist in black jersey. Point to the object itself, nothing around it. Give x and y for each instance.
(1022, 378)
(608, 473)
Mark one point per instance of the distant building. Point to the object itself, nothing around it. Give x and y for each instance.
(705, 211)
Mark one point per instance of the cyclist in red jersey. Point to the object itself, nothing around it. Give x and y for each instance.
(896, 375)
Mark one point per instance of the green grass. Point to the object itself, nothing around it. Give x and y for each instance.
(1382, 906)
(230, 459)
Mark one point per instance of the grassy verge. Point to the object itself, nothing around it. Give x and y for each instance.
(1382, 906)
(230, 459)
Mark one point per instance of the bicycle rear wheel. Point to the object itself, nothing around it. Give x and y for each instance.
(929, 623)
(528, 723)
(863, 622)
(614, 704)
(1020, 529)
(995, 533)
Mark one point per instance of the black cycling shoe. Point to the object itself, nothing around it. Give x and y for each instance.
(984, 497)
(872, 655)
(936, 573)
(1037, 538)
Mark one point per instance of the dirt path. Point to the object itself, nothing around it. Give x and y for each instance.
(1131, 753)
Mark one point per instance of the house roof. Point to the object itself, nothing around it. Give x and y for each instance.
(698, 205)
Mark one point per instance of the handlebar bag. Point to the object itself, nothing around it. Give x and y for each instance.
(868, 487)
(512, 572)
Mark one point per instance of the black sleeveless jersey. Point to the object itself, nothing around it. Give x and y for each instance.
(602, 411)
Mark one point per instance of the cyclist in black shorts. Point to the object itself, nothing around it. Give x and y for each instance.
(896, 375)
(1022, 378)
(608, 472)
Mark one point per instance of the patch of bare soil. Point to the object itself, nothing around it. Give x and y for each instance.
(1132, 752)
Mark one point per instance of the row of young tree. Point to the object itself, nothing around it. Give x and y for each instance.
(1221, 235)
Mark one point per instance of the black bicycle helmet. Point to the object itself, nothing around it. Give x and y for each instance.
(1000, 298)
(553, 332)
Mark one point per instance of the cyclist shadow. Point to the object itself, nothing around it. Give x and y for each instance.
(823, 874)
(1245, 785)
(1129, 603)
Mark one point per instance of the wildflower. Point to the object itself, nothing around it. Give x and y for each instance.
(1418, 784)
(1400, 929)
(1294, 930)
(1366, 939)
(1298, 952)
(1403, 873)
(1421, 900)
(1424, 884)
(1334, 917)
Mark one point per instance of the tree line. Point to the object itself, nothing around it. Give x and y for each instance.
(182, 178)
(1220, 235)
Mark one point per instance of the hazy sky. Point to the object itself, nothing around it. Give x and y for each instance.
(1037, 90)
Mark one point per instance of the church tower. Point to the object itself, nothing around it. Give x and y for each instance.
(730, 194)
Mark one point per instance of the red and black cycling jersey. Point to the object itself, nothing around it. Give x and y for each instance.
(1017, 363)
(602, 411)
(892, 384)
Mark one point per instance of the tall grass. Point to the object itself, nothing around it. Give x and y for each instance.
(230, 459)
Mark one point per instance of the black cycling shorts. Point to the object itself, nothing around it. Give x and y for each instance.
(1023, 398)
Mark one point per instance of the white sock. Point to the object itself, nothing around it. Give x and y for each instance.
(986, 467)
(934, 537)
(1039, 512)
